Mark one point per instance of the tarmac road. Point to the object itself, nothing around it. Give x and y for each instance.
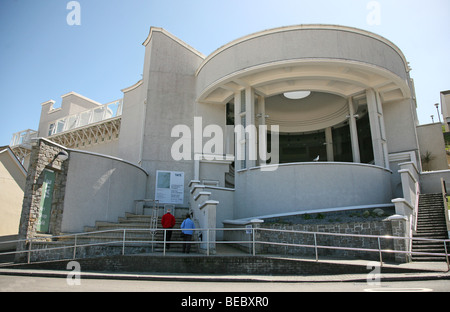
(11, 283)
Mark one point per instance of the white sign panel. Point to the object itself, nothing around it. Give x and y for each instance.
(169, 187)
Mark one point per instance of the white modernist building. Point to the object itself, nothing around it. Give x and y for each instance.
(287, 120)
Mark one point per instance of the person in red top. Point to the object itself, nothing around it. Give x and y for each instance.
(168, 222)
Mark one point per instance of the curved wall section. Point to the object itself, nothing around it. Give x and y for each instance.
(309, 186)
(301, 42)
(99, 188)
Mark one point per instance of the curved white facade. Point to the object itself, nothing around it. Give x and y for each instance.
(317, 53)
(342, 144)
(361, 95)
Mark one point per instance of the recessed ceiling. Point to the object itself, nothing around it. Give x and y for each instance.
(317, 111)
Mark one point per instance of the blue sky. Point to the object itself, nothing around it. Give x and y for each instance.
(42, 57)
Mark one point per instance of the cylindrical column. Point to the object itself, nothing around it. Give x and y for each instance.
(353, 132)
(329, 143)
(379, 143)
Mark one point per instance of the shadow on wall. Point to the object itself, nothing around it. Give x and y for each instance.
(100, 188)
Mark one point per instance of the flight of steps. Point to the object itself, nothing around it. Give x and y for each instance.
(137, 233)
(430, 224)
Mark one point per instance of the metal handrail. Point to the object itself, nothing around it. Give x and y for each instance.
(74, 121)
(251, 241)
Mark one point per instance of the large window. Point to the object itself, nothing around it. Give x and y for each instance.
(342, 144)
(301, 147)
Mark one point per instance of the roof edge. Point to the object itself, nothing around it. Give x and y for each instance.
(168, 34)
(304, 27)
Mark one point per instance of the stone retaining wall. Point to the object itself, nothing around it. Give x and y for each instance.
(387, 227)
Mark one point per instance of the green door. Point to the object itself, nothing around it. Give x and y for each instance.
(45, 206)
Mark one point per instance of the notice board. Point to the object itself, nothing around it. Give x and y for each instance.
(169, 187)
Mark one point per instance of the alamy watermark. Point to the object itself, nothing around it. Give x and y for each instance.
(74, 277)
(251, 143)
(374, 277)
(74, 16)
(374, 16)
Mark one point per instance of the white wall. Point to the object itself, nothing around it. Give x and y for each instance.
(399, 119)
(131, 125)
(431, 139)
(430, 182)
(99, 188)
(12, 184)
(289, 44)
(225, 197)
(306, 186)
(169, 86)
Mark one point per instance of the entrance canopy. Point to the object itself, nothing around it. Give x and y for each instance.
(342, 74)
(340, 77)
(332, 59)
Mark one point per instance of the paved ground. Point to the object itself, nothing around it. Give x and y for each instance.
(9, 283)
(435, 271)
(437, 279)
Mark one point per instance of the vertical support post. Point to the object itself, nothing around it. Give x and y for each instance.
(207, 242)
(164, 243)
(123, 242)
(29, 250)
(239, 118)
(329, 142)
(251, 146)
(374, 107)
(261, 157)
(381, 255)
(315, 246)
(75, 247)
(353, 132)
(254, 241)
(262, 110)
(446, 255)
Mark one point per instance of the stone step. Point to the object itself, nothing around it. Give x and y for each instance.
(128, 222)
(431, 221)
(431, 227)
(426, 258)
(431, 224)
(431, 213)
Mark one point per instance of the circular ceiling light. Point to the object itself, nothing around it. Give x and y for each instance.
(297, 95)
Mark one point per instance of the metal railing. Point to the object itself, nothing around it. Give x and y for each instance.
(23, 138)
(87, 117)
(207, 244)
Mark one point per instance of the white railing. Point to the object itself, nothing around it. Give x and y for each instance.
(207, 245)
(446, 212)
(85, 118)
(23, 138)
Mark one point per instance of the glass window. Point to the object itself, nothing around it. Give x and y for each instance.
(112, 110)
(51, 129)
(60, 125)
(98, 114)
(72, 122)
(84, 118)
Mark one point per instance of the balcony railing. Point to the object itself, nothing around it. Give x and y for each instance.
(23, 138)
(91, 116)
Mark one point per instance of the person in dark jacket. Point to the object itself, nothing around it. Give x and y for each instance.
(168, 222)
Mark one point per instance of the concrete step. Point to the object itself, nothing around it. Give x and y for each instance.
(431, 224)
(130, 221)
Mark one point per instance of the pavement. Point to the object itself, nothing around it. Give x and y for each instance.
(417, 271)
(230, 278)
